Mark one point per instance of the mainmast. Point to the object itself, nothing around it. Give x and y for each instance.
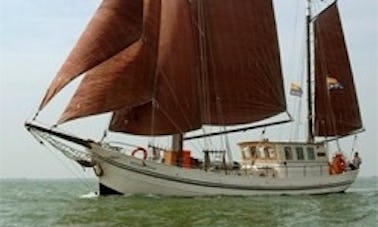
(310, 134)
(177, 142)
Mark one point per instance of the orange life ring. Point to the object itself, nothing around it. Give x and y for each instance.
(338, 164)
(140, 149)
(341, 164)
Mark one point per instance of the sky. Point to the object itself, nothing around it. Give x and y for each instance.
(36, 36)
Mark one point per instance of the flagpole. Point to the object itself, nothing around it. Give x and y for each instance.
(310, 133)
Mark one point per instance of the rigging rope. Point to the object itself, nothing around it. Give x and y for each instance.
(38, 137)
(80, 178)
(153, 112)
(355, 145)
(297, 68)
(338, 145)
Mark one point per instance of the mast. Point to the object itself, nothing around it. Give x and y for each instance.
(177, 142)
(177, 146)
(310, 133)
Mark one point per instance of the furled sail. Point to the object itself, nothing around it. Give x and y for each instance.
(196, 62)
(336, 105)
(116, 25)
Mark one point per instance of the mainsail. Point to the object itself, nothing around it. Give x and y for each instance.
(176, 65)
(336, 106)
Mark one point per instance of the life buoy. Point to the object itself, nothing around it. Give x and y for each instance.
(338, 164)
(98, 170)
(140, 149)
(341, 164)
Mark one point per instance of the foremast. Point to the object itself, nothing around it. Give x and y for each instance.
(310, 132)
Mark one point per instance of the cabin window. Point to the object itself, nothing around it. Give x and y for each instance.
(272, 153)
(310, 153)
(249, 152)
(266, 152)
(246, 153)
(288, 153)
(261, 153)
(253, 152)
(299, 151)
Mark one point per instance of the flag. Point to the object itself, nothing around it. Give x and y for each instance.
(296, 90)
(333, 83)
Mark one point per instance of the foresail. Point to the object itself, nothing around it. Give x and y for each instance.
(115, 26)
(126, 79)
(336, 106)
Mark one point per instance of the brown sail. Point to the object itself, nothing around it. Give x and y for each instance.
(197, 62)
(116, 25)
(239, 76)
(126, 79)
(336, 106)
(244, 81)
(176, 102)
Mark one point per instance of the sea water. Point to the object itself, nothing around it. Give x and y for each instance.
(26, 202)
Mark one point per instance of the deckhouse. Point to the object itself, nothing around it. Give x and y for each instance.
(284, 159)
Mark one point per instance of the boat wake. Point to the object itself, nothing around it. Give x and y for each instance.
(89, 195)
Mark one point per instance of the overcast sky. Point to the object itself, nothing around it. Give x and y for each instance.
(36, 36)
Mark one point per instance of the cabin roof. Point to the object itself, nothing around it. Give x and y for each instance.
(244, 143)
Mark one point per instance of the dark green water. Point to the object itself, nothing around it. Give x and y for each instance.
(70, 203)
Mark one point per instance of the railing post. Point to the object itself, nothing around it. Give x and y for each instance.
(304, 171)
(286, 170)
(321, 170)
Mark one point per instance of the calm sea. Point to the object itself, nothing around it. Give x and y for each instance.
(73, 203)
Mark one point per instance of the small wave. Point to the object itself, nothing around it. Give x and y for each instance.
(128, 194)
(371, 190)
(89, 195)
(151, 195)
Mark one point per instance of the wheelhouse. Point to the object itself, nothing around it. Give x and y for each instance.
(284, 159)
(282, 151)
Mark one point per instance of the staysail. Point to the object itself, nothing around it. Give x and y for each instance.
(125, 79)
(336, 106)
(111, 30)
(195, 62)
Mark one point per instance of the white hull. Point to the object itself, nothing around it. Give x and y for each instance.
(128, 175)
